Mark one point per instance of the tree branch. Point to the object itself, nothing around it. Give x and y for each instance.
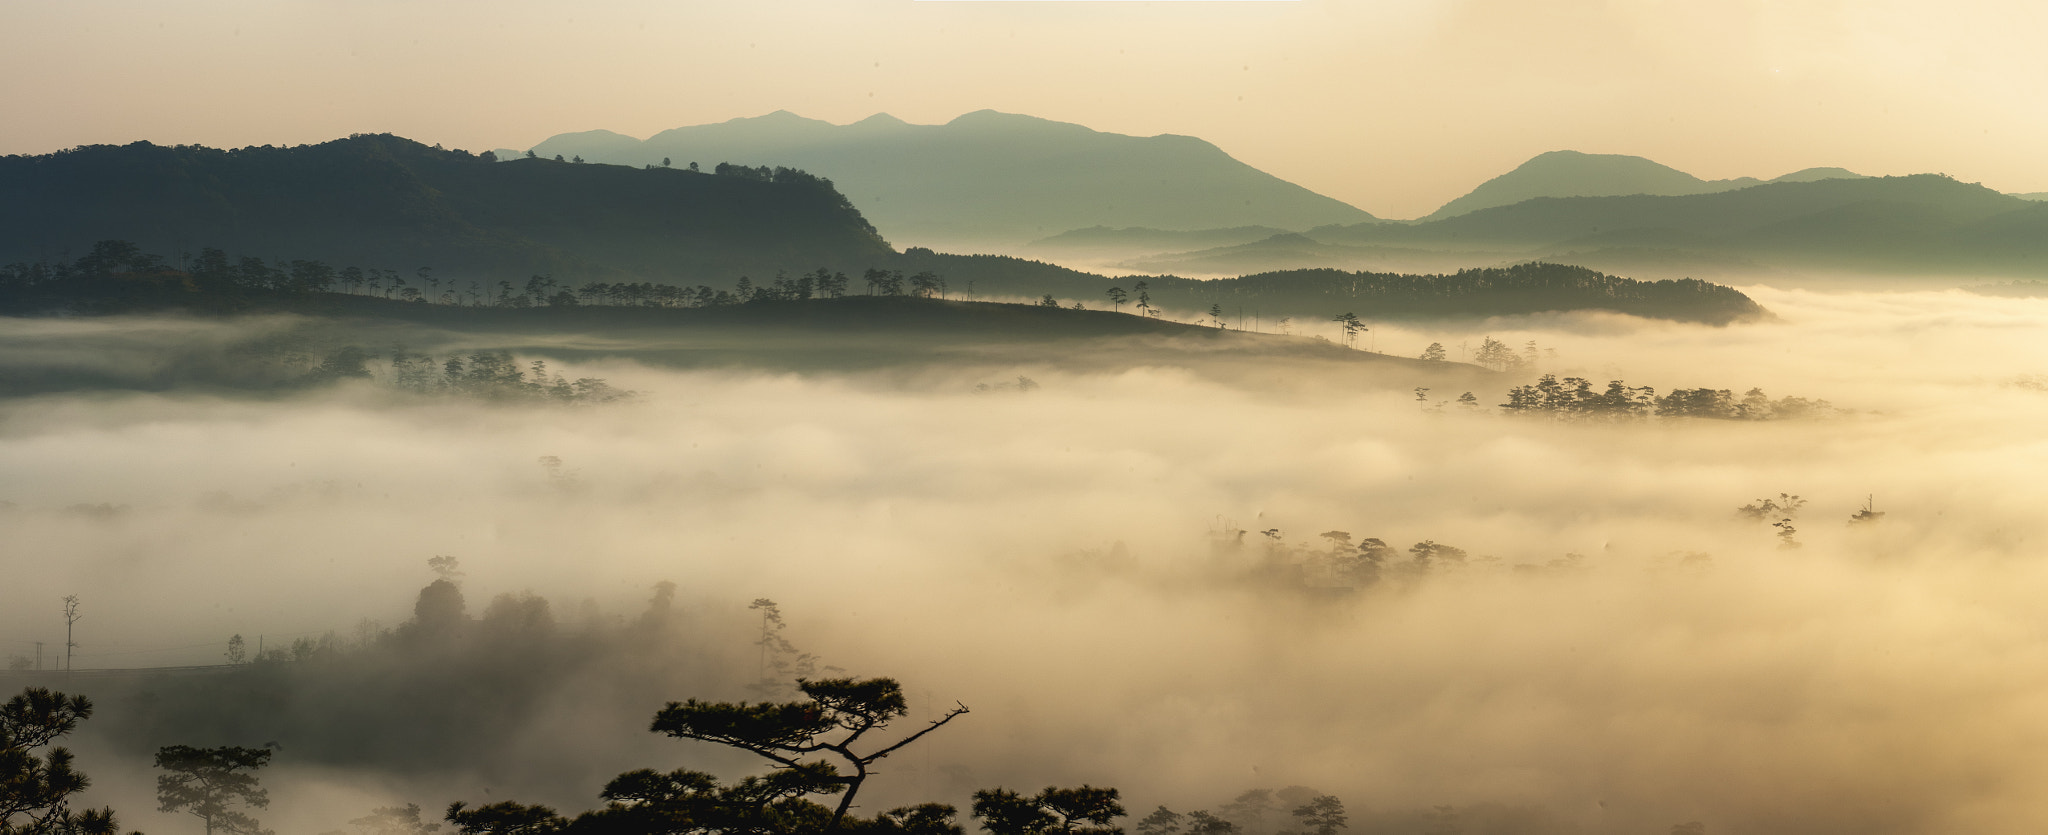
(960, 709)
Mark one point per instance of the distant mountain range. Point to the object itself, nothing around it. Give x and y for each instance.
(1575, 174)
(1924, 224)
(988, 178)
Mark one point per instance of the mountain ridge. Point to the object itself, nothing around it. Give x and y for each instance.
(989, 177)
(1874, 225)
(1567, 173)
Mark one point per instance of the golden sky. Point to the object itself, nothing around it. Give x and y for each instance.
(1393, 105)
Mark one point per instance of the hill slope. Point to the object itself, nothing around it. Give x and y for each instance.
(989, 177)
(388, 201)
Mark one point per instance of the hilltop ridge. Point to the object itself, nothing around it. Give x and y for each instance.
(384, 199)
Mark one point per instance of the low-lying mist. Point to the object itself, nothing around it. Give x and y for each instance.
(1085, 563)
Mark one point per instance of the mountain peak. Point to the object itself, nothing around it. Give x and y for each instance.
(1807, 175)
(998, 120)
(1568, 173)
(778, 118)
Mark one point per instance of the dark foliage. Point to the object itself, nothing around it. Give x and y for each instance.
(35, 791)
(1086, 810)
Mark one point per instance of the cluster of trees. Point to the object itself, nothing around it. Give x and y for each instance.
(289, 359)
(1493, 354)
(1779, 513)
(117, 273)
(1255, 812)
(1574, 398)
(770, 174)
(489, 375)
(821, 284)
(1334, 561)
(1022, 385)
(1496, 354)
(1143, 299)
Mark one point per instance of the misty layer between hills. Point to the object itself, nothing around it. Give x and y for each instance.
(1080, 561)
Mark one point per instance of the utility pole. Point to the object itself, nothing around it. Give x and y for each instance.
(39, 655)
(71, 616)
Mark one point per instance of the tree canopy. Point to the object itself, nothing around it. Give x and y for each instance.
(35, 791)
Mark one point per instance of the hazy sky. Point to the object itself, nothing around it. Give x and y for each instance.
(1394, 105)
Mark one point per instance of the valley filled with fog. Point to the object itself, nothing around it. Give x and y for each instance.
(1115, 554)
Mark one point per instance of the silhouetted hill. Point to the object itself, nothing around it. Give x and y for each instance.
(391, 202)
(1575, 174)
(989, 177)
(1475, 293)
(1319, 294)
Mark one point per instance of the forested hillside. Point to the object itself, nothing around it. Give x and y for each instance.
(387, 200)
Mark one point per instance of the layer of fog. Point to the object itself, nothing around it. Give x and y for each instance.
(1050, 558)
